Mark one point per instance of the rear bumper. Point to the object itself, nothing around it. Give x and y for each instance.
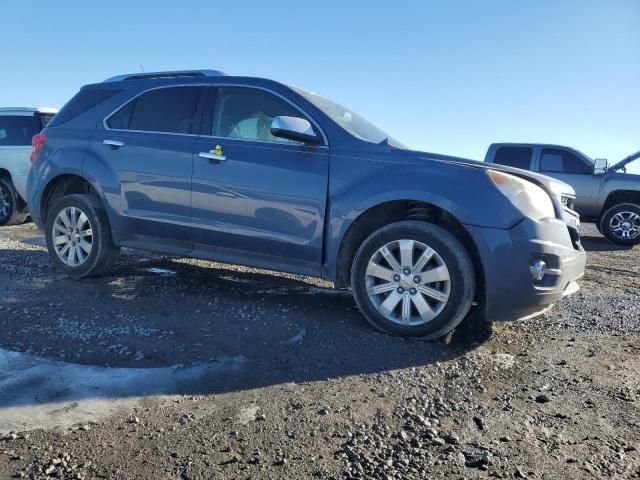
(511, 292)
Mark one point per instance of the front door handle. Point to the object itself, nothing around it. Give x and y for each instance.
(113, 143)
(214, 155)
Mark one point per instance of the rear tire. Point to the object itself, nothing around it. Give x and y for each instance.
(401, 293)
(10, 213)
(79, 236)
(621, 224)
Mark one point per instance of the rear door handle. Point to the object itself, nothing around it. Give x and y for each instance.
(113, 143)
(212, 156)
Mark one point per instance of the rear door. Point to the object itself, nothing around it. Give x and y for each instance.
(148, 145)
(576, 171)
(264, 203)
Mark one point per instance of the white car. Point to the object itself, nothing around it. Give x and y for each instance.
(17, 128)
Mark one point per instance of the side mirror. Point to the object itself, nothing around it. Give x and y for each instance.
(294, 128)
(600, 165)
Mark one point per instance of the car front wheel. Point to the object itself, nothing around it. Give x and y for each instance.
(413, 279)
(621, 224)
(78, 236)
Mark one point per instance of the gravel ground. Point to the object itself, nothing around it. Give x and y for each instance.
(179, 368)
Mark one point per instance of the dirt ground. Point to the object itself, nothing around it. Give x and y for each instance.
(183, 369)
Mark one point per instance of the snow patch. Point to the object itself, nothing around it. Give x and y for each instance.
(40, 393)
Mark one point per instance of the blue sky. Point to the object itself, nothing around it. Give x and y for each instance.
(447, 76)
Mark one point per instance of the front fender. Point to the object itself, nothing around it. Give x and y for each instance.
(464, 192)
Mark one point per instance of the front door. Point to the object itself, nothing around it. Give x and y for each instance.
(257, 199)
(577, 172)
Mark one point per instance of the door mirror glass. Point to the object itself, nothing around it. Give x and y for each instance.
(600, 165)
(294, 128)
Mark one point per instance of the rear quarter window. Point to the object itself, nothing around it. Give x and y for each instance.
(18, 130)
(518, 157)
(82, 102)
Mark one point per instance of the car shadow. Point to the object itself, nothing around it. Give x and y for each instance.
(158, 325)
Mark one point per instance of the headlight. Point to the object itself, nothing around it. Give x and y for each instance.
(529, 198)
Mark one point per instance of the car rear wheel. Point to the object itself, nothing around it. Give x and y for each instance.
(621, 224)
(79, 237)
(10, 213)
(413, 279)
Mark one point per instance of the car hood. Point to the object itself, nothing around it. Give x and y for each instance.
(622, 163)
(552, 185)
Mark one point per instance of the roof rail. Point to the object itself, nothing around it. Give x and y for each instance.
(175, 74)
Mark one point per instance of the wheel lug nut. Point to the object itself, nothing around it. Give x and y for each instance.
(400, 290)
(396, 278)
(407, 271)
(416, 279)
(413, 291)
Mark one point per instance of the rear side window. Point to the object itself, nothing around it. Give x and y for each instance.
(80, 103)
(555, 160)
(519, 157)
(169, 110)
(18, 130)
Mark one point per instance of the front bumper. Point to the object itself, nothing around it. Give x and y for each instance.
(507, 256)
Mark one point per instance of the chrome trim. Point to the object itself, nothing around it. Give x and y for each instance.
(113, 143)
(215, 85)
(212, 156)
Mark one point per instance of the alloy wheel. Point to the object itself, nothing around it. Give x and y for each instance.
(625, 225)
(408, 282)
(72, 236)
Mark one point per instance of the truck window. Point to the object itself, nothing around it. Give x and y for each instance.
(519, 157)
(555, 160)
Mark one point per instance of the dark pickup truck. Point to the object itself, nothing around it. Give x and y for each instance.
(607, 195)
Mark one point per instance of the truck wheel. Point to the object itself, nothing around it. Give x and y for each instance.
(10, 213)
(621, 224)
(79, 237)
(413, 279)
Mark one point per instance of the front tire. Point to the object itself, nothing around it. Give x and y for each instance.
(621, 224)
(79, 236)
(10, 213)
(413, 279)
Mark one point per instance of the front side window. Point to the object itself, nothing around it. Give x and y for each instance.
(518, 157)
(168, 110)
(555, 160)
(246, 113)
(18, 130)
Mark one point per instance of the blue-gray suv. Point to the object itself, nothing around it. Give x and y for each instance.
(250, 171)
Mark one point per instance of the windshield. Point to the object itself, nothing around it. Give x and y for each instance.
(353, 123)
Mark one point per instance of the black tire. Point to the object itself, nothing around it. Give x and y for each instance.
(456, 259)
(12, 214)
(607, 230)
(103, 252)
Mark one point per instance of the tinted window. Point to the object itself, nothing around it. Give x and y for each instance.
(171, 110)
(555, 160)
(246, 113)
(18, 130)
(82, 102)
(519, 157)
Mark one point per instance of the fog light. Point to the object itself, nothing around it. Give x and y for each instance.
(538, 270)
